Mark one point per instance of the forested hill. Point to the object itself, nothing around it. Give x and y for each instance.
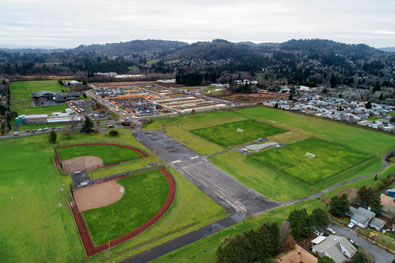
(135, 46)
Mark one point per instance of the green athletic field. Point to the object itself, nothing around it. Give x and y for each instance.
(329, 160)
(234, 133)
(144, 196)
(108, 153)
(21, 101)
(274, 183)
(36, 223)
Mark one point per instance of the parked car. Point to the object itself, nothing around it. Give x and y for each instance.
(317, 233)
(351, 225)
(28, 131)
(16, 134)
(331, 230)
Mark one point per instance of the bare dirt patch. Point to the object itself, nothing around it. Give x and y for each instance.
(98, 195)
(82, 163)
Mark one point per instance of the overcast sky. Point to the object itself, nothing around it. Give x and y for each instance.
(69, 23)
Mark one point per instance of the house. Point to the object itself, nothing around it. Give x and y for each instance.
(377, 224)
(361, 216)
(296, 255)
(391, 192)
(336, 247)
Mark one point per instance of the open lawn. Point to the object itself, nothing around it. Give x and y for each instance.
(273, 183)
(144, 196)
(329, 159)
(36, 223)
(108, 153)
(21, 101)
(234, 133)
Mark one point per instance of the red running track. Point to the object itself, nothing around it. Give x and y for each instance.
(91, 249)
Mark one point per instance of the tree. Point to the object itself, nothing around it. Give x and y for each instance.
(368, 105)
(67, 133)
(251, 246)
(339, 206)
(290, 97)
(325, 260)
(320, 218)
(360, 257)
(88, 126)
(300, 223)
(276, 105)
(369, 197)
(113, 133)
(52, 137)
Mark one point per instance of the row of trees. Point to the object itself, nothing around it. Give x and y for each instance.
(252, 246)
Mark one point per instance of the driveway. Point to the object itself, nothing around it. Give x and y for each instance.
(381, 255)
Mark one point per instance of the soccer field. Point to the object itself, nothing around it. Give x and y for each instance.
(329, 159)
(235, 133)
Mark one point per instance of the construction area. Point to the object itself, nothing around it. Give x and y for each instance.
(154, 99)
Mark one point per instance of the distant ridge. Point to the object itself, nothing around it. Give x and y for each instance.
(388, 49)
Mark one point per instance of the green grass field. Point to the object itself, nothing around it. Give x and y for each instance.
(108, 153)
(36, 223)
(21, 101)
(144, 196)
(227, 134)
(329, 159)
(273, 183)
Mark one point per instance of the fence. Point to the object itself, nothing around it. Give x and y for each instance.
(90, 248)
(81, 166)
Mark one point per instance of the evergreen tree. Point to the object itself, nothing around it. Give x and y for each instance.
(369, 197)
(360, 257)
(368, 105)
(88, 126)
(339, 206)
(300, 224)
(52, 137)
(320, 218)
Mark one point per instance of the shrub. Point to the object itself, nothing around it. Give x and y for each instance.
(113, 133)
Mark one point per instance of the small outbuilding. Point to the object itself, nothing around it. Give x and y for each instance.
(377, 224)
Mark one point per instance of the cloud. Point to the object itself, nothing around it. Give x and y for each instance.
(384, 32)
(73, 22)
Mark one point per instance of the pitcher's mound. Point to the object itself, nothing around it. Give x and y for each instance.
(82, 163)
(98, 195)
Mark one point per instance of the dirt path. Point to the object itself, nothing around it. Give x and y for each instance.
(98, 195)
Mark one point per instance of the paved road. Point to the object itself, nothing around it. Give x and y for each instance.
(381, 255)
(225, 190)
(185, 240)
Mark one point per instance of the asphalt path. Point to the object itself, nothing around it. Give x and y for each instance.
(225, 191)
